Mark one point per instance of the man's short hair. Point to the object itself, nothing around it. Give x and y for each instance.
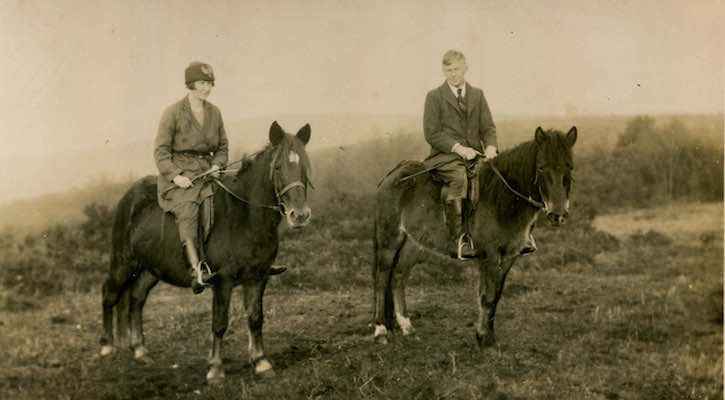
(453, 55)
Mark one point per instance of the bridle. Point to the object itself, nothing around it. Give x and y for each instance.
(280, 192)
(280, 207)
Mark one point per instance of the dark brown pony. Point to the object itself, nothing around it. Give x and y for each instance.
(410, 215)
(241, 246)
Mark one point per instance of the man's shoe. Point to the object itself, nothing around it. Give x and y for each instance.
(529, 247)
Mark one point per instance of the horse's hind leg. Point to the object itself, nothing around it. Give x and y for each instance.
(386, 257)
(110, 299)
(407, 258)
(116, 297)
(139, 291)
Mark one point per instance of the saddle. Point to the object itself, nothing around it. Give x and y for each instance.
(409, 169)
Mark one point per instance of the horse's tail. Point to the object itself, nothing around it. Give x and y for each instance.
(122, 264)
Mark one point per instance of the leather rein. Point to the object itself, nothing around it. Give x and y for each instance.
(527, 199)
(280, 206)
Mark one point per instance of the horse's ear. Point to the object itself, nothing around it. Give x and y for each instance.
(275, 133)
(304, 134)
(571, 136)
(540, 135)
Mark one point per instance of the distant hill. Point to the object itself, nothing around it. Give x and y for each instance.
(349, 153)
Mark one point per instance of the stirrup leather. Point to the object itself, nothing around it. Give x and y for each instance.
(462, 241)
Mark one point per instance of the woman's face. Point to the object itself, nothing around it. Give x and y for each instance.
(202, 89)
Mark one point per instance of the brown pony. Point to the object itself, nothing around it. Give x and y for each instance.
(241, 246)
(506, 198)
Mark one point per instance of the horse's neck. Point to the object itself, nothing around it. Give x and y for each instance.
(254, 185)
(518, 167)
(256, 182)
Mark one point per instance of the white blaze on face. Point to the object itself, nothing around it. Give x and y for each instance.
(293, 157)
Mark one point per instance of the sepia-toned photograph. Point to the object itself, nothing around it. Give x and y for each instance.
(340, 199)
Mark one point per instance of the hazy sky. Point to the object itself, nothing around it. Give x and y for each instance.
(82, 73)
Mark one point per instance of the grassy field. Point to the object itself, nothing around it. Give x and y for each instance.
(631, 314)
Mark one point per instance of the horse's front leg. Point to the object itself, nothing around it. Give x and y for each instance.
(253, 294)
(219, 324)
(492, 275)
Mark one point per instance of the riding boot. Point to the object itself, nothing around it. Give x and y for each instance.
(459, 246)
(200, 272)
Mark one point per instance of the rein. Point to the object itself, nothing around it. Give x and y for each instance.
(527, 199)
(236, 196)
(280, 207)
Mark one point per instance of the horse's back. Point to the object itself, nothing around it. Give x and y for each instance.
(136, 206)
(138, 197)
(407, 198)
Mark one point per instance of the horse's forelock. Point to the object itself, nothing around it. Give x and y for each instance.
(288, 142)
(558, 150)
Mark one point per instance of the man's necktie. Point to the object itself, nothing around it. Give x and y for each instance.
(461, 101)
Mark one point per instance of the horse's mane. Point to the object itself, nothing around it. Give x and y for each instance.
(518, 166)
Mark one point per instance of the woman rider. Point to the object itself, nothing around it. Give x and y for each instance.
(191, 141)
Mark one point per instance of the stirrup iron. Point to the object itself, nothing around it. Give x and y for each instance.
(462, 240)
(198, 271)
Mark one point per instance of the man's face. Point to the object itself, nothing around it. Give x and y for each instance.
(454, 72)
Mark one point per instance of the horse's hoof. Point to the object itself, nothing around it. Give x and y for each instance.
(107, 350)
(263, 369)
(268, 374)
(146, 360)
(381, 334)
(407, 330)
(276, 270)
(215, 375)
(485, 341)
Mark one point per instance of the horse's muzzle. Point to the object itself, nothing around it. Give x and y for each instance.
(297, 218)
(557, 219)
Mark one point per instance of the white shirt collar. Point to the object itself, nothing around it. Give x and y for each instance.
(455, 89)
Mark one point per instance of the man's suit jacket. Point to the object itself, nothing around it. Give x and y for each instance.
(445, 124)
